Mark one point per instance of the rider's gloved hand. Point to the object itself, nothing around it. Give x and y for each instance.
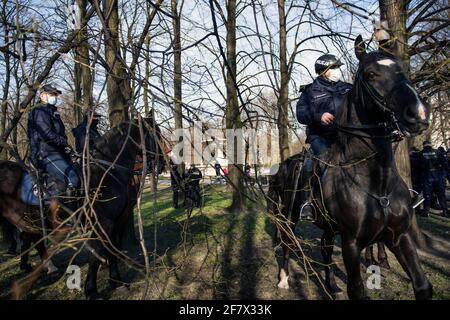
(68, 150)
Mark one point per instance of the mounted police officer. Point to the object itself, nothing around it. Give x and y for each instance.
(434, 166)
(80, 132)
(50, 150)
(316, 109)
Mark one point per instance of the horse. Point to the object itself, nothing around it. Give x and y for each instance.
(359, 193)
(110, 173)
(122, 146)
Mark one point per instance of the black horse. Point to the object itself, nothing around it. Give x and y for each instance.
(110, 173)
(360, 194)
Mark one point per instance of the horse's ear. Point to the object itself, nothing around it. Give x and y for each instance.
(360, 47)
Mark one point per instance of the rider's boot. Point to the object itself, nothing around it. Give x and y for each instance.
(72, 199)
(307, 211)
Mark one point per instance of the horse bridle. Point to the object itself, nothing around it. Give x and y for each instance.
(396, 132)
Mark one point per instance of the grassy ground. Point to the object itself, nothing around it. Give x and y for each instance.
(229, 256)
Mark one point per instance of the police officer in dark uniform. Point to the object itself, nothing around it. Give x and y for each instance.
(193, 177)
(434, 165)
(448, 164)
(316, 109)
(176, 183)
(416, 170)
(217, 168)
(50, 150)
(80, 132)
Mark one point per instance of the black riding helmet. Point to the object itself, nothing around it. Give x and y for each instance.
(325, 62)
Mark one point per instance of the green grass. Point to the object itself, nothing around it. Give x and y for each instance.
(225, 255)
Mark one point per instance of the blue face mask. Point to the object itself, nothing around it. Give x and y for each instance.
(52, 100)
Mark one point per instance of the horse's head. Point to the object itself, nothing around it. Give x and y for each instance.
(382, 80)
(153, 145)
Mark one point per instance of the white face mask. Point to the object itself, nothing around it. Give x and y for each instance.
(53, 100)
(334, 75)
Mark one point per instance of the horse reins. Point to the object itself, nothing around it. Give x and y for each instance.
(397, 133)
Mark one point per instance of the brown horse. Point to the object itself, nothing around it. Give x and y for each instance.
(111, 171)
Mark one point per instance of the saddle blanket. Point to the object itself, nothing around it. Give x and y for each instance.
(29, 192)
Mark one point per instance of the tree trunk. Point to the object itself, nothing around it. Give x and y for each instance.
(118, 86)
(77, 84)
(395, 12)
(177, 75)
(233, 118)
(83, 50)
(283, 94)
(145, 85)
(118, 89)
(4, 105)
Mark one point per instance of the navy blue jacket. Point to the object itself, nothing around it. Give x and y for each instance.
(46, 132)
(416, 169)
(80, 135)
(317, 98)
(433, 164)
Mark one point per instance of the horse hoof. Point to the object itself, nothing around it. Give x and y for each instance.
(384, 264)
(93, 296)
(51, 268)
(118, 284)
(283, 284)
(335, 289)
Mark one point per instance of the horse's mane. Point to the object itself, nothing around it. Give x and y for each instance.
(107, 144)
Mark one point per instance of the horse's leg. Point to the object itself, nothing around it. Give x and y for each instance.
(351, 253)
(406, 254)
(24, 252)
(115, 280)
(382, 256)
(90, 286)
(369, 258)
(285, 240)
(326, 248)
(284, 267)
(42, 250)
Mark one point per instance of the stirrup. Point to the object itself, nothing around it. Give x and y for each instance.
(311, 217)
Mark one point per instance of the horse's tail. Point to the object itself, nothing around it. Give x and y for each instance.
(10, 181)
(11, 174)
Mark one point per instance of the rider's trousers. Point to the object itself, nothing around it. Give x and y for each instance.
(60, 169)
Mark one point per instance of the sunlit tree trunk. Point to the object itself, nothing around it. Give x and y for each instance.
(118, 86)
(4, 102)
(395, 12)
(233, 118)
(283, 94)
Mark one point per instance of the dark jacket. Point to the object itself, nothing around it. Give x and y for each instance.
(433, 164)
(193, 177)
(80, 135)
(176, 179)
(416, 170)
(317, 98)
(46, 132)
